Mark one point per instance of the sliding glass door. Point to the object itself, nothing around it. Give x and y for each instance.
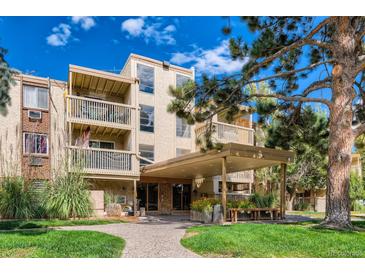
(181, 196)
(147, 194)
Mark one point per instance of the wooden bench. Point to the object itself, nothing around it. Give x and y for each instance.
(255, 213)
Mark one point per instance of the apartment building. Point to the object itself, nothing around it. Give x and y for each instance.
(114, 124)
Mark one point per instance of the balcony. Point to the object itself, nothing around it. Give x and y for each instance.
(226, 133)
(242, 176)
(82, 110)
(105, 161)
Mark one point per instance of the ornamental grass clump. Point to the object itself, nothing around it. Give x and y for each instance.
(16, 201)
(262, 201)
(68, 196)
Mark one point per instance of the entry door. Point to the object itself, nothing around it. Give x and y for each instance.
(147, 194)
(181, 196)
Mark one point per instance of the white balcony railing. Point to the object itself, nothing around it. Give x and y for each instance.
(105, 161)
(226, 133)
(242, 176)
(103, 113)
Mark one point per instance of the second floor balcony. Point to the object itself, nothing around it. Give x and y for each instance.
(89, 111)
(227, 133)
(104, 161)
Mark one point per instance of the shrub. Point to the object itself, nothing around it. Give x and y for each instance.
(16, 199)
(358, 206)
(68, 196)
(301, 206)
(203, 205)
(245, 204)
(262, 201)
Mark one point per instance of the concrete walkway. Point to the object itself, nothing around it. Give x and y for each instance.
(152, 237)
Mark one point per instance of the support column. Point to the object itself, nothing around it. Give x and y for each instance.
(135, 197)
(282, 190)
(224, 188)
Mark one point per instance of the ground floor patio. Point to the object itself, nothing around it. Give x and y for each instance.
(169, 187)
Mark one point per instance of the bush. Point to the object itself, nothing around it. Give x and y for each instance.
(203, 205)
(16, 199)
(68, 196)
(301, 206)
(358, 206)
(262, 201)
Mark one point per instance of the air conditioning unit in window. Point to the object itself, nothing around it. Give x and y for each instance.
(34, 115)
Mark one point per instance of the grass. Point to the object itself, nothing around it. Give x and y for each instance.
(275, 240)
(59, 244)
(23, 224)
(320, 215)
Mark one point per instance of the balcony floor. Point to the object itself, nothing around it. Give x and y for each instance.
(102, 130)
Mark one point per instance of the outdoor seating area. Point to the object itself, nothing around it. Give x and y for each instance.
(254, 214)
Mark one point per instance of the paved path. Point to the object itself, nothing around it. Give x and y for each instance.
(152, 237)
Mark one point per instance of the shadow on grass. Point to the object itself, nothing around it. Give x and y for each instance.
(19, 224)
(30, 232)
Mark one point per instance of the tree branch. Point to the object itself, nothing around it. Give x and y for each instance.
(295, 98)
(357, 131)
(325, 83)
(299, 43)
(287, 73)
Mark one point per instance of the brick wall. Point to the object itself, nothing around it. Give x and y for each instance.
(165, 198)
(43, 170)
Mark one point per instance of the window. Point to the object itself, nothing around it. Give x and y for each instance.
(35, 143)
(101, 144)
(35, 97)
(181, 80)
(146, 76)
(146, 151)
(235, 187)
(147, 118)
(182, 128)
(181, 151)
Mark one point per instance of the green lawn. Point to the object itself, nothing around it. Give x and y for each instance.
(23, 224)
(274, 240)
(59, 244)
(321, 215)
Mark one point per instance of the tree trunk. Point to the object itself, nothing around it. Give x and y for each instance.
(341, 137)
(290, 201)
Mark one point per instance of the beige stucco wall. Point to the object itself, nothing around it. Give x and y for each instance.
(58, 138)
(115, 187)
(10, 135)
(164, 137)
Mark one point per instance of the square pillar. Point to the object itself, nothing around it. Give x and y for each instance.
(282, 190)
(224, 188)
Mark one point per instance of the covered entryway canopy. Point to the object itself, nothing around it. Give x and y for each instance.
(230, 158)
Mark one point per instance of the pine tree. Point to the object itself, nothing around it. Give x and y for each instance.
(305, 133)
(284, 51)
(6, 80)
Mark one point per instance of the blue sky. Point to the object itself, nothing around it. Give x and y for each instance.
(44, 46)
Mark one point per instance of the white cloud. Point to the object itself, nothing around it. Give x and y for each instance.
(211, 61)
(86, 22)
(60, 36)
(133, 26)
(149, 30)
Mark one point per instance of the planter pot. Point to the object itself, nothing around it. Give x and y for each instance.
(205, 217)
(217, 214)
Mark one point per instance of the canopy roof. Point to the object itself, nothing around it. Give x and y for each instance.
(207, 164)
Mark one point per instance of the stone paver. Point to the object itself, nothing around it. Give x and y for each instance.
(152, 237)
